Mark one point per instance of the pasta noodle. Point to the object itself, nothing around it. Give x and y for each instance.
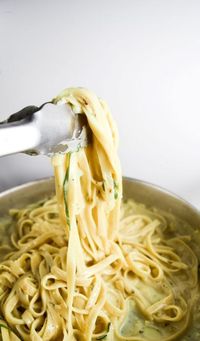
(85, 265)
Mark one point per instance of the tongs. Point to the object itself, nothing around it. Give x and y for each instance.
(48, 129)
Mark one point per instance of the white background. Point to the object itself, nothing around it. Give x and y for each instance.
(143, 57)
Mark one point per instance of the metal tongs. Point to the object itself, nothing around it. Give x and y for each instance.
(48, 129)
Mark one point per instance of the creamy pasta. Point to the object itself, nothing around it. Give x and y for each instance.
(85, 265)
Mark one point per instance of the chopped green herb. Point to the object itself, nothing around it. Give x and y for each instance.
(116, 189)
(104, 336)
(65, 192)
(78, 147)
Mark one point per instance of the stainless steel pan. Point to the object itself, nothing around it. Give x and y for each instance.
(141, 191)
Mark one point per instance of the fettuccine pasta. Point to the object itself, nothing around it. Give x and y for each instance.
(85, 265)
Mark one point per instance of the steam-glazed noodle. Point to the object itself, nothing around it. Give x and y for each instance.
(79, 267)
